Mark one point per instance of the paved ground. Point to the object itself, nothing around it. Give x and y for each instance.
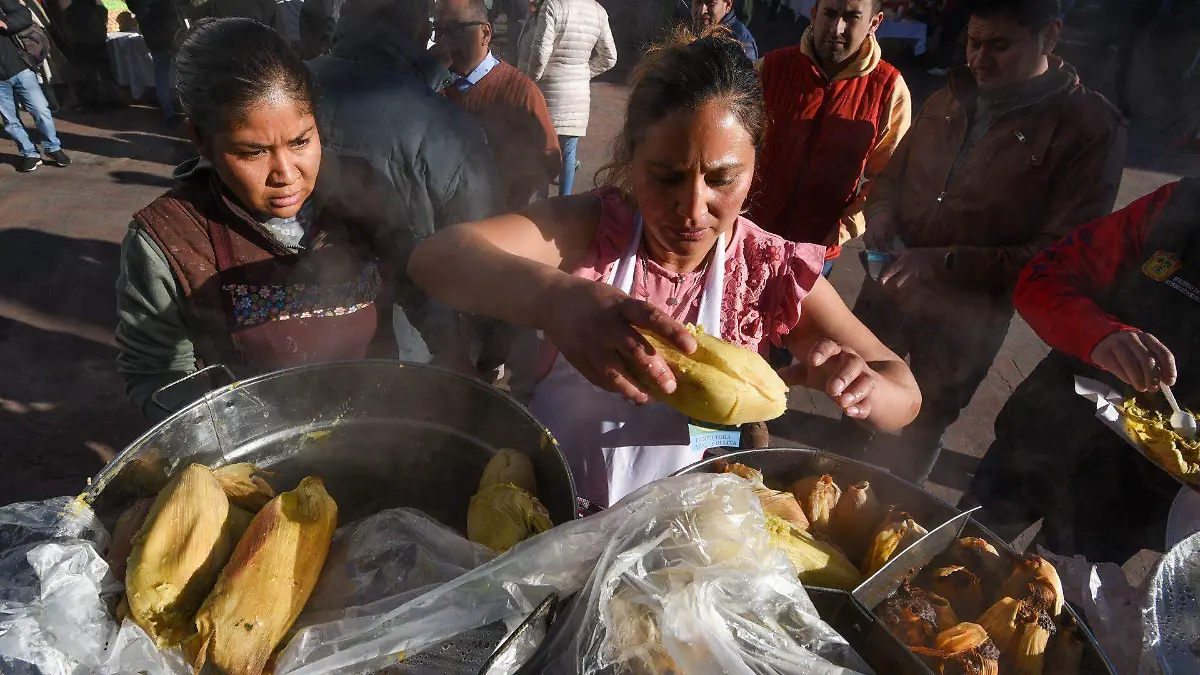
(62, 408)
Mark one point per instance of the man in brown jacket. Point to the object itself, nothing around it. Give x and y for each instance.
(1005, 160)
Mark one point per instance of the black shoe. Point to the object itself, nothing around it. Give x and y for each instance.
(28, 164)
(59, 158)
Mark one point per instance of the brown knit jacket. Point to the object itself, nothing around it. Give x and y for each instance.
(513, 113)
(1038, 172)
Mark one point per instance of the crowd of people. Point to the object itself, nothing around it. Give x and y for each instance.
(382, 187)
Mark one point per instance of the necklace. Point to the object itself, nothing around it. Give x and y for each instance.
(676, 292)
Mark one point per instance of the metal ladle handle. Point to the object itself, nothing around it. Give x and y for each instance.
(190, 376)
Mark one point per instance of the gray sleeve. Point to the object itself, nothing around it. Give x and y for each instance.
(152, 332)
(474, 191)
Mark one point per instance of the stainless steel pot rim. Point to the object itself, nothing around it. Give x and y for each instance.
(97, 484)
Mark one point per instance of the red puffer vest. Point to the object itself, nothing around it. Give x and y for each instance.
(254, 305)
(819, 136)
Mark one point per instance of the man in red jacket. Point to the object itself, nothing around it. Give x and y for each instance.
(836, 112)
(1119, 301)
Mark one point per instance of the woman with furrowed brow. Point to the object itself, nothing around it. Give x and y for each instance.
(236, 264)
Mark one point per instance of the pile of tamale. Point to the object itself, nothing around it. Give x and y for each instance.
(220, 565)
(823, 529)
(970, 611)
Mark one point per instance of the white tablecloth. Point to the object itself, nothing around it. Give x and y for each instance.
(131, 62)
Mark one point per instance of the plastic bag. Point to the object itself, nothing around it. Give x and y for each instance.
(685, 558)
(55, 593)
(1112, 607)
(694, 587)
(381, 561)
(56, 590)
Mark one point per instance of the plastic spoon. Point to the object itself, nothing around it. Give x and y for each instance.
(1182, 422)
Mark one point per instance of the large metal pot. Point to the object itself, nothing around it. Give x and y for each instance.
(382, 434)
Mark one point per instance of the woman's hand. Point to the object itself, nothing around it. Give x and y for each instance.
(1137, 358)
(838, 371)
(592, 325)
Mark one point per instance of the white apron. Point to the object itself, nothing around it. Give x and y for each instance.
(613, 446)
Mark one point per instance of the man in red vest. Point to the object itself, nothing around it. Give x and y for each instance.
(836, 113)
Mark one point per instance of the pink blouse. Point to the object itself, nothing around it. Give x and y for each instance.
(766, 278)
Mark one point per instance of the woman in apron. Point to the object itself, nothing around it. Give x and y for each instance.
(235, 265)
(660, 245)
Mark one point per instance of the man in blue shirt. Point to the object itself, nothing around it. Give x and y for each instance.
(707, 13)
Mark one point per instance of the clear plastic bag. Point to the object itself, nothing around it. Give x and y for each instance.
(389, 553)
(678, 573)
(384, 560)
(56, 591)
(55, 598)
(695, 588)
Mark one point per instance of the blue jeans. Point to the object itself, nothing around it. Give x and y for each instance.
(25, 88)
(569, 146)
(827, 268)
(162, 81)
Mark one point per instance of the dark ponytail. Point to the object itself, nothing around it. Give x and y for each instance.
(225, 67)
(683, 72)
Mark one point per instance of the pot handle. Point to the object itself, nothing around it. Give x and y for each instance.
(203, 371)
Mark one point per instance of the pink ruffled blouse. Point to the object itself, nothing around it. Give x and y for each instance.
(766, 278)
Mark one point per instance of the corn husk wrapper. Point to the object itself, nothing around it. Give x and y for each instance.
(818, 495)
(721, 383)
(1035, 577)
(895, 533)
(774, 502)
(1000, 622)
(1027, 653)
(509, 467)
(1064, 654)
(979, 556)
(502, 516)
(121, 545)
(856, 513)
(960, 587)
(946, 618)
(817, 563)
(964, 648)
(743, 471)
(783, 505)
(264, 586)
(244, 485)
(184, 542)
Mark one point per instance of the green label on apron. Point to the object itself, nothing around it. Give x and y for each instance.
(704, 436)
